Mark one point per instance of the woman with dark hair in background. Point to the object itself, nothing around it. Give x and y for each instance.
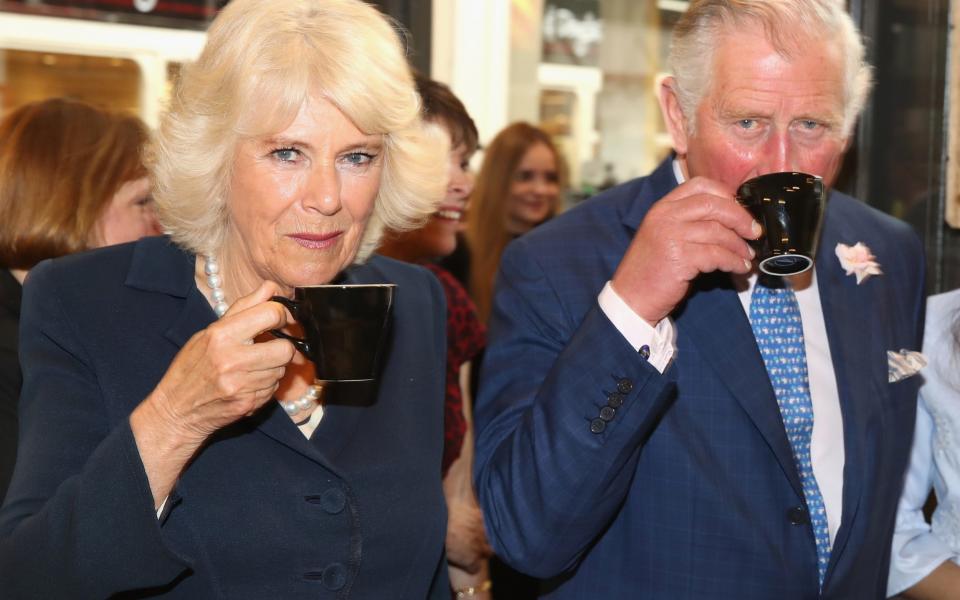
(71, 178)
(518, 188)
(467, 548)
(925, 560)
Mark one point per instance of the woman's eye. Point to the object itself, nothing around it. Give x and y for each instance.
(286, 154)
(524, 176)
(144, 201)
(359, 159)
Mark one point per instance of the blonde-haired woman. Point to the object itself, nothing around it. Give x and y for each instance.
(71, 178)
(172, 447)
(518, 187)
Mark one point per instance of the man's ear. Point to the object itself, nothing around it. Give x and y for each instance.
(672, 114)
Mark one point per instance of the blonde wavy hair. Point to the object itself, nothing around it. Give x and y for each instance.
(787, 23)
(261, 62)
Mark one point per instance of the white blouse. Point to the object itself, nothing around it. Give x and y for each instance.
(919, 547)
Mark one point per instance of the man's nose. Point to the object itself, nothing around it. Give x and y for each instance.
(778, 154)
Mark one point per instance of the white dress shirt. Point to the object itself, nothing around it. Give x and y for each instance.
(826, 444)
(919, 547)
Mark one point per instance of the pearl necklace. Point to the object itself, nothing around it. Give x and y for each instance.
(211, 268)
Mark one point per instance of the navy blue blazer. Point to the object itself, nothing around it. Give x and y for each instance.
(261, 512)
(690, 490)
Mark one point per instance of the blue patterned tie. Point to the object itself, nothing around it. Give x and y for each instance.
(775, 317)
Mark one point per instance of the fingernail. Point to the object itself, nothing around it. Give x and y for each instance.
(746, 264)
(756, 229)
(753, 253)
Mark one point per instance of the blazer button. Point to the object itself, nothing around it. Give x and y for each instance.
(334, 576)
(607, 413)
(597, 426)
(624, 386)
(798, 516)
(615, 400)
(333, 501)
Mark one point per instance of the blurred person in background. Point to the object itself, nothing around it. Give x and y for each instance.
(925, 560)
(171, 447)
(71, 178)
(518, 187)
(467, 548)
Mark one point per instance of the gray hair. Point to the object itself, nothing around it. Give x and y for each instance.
(262, 61)
(787, 24)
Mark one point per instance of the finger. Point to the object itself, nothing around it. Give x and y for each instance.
(714, 233)
(237, 386)
(724, 210)
(260, 295)
(265, 355)
(706, 258)
(697, 186)
(246, 324)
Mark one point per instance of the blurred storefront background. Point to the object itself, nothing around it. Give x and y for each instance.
(584, 70)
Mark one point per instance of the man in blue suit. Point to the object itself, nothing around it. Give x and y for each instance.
(631, 429)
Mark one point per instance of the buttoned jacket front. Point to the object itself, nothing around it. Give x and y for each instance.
(356, 511)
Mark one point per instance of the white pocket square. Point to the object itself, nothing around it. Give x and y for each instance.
(903, 364)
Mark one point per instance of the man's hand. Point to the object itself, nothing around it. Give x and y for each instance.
(697, 228)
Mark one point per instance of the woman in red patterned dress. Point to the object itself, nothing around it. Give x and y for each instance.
(467, 548)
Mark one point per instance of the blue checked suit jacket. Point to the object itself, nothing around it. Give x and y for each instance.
(690, 491)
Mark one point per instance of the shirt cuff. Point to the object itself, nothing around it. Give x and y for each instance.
(656, 344)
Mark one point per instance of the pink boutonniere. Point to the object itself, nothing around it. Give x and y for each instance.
(858, 260)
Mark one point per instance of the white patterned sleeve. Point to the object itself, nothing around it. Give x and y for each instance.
(916, 551)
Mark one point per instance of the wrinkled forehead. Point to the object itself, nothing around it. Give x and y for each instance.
(749, 55)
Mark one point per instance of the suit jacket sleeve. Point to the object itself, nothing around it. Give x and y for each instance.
(79, 518)
(548, 481)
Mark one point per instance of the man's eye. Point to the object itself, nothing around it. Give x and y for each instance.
(286, 154)
(747, 123)
(809, 124)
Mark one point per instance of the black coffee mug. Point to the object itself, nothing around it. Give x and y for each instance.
(345, 327)
(790, 209)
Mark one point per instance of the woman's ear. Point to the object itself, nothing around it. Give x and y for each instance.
(672, 113)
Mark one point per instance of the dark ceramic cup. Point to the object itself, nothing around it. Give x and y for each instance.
(345, 328)
(790, 208)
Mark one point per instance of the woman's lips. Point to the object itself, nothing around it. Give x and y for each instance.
(316, 241)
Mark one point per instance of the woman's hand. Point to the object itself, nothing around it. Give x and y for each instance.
(467, 546)
(219, 376)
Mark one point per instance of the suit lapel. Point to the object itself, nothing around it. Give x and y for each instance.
(849, 313)
(712, 322)
(344, 408)
(159, 266)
